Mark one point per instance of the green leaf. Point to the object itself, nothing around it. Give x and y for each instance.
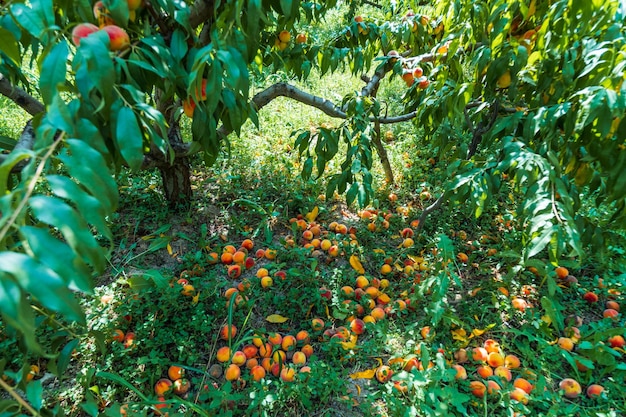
(34, 391)
(552, 312)
(57, 256)
(10, 46)
(178, 45)
(65, 357)
(13, 159)
(129, 138)
(28, 19)
(88, 205)
(16, 311)
(76, 232)
(95, 175)
(42, 283)
(53, 71)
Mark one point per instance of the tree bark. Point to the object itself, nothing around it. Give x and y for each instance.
(176, 176)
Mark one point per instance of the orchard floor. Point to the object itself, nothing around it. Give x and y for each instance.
(339, 312)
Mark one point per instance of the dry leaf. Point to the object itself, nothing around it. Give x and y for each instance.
(276, 318)
(479, 332)
(367, 374)
(355, 262)
(351, 344)
(459, 334)
(169, 249)
(312, 215)
(195, 298)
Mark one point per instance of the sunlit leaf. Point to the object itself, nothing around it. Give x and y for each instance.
(276, 318)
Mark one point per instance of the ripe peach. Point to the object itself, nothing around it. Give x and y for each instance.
(82, 31)
(503, 372)
(223, 354)
(234, 271)
(270, 254)
(288, 343)
(372, 292)
(317, 324)
(495, 359)
(410, 364)
(239, 358)
(477, 389)
(299, 358)
(571, 388)
(566, 343)
(519, 395)
(590, 297)
(118, 37)
(617, 341)
(232, 372)
(228, 332)
(492, 387)
(260, 253)
(610, 313)
(378, 313)
(561, 272)
(265, 350)
(175, 372)
(279, 356)
(480, 354)
(302, 337)
(612, 305)
(275, 339)
(523, 384)
(519, 304)
(362, 282)
(491, 345)
(461, 373)
(484, 371)
(188, 290)
(357, 326)
(257, 372)
(594, 391)
(251, 363)
(129, 340)
(267, 282)
(162, 386)
(307, 350)
(248, 244)
(287, 374)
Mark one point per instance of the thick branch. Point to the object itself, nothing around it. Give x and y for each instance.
(20, 97)
(428, 210)
(200, 12)
(26, 141)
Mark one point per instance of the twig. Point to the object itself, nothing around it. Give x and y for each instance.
(19, 399)
(30, 188)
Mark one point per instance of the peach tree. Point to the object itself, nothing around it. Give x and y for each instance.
(527, 94)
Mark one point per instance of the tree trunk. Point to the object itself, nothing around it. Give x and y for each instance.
(382, 154)
(176, 177)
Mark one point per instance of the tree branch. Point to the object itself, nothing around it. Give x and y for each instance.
(200, 12)
(20, 97)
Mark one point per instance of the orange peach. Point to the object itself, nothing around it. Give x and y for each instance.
(307, 350)
(523, 384)
(232, 372)
(288, 343)
(519, 304)
(484, 371)
(495, 359)
(617, 341)
(118, 37)
(181, 386)
(162, 386)
(503, 372)
(239, 358)
(477, 389)
(571, 388)
(566, 343)
(492, 387)
(491, 345)
(357, 326)
(223, 354)
(610, 313)
(594, 391)
(287, 374)
(317, 324)
(480, 354)
(461, 355)
(228, 332)
(175, 372)
(302, 337)
(512, 362)
(519, 395)
(258, 373)
(275, 339)
(299, 358)
(461, 373)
